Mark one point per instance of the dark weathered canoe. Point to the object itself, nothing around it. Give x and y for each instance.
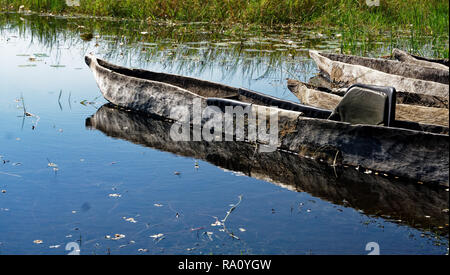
(374, 195)
(405, 77)
(328, 99)
(403, 56)
(410, 150)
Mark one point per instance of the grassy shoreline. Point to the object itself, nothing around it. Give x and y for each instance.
(354, 19)
(432, 15)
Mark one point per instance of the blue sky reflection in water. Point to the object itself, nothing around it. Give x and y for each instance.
(101, 182)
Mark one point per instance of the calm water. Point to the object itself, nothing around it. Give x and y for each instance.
(77, 170)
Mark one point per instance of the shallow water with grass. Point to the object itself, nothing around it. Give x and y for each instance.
(118, 185)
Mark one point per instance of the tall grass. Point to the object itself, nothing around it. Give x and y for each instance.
(432, 13)
(417, 19)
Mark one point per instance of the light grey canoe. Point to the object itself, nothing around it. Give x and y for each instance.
(420, 61)
(410, 150)
(362, 190)
(313, 96)
(322, 82)
(404, 77)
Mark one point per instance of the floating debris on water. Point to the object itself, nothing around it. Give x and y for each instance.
(54, 246)
(197, 228)
(85, 102)
(157, 237)
(115, 195)
(158, 205)
(116, 237)
(209, 235)
(41, 55)
(132, 220)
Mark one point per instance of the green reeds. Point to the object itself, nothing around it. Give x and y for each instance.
(420, 27)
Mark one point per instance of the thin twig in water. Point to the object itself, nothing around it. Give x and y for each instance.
(23, 105)
(9, 174)
(25, 114)
(226, 217)
(59, 100)
(70, 104)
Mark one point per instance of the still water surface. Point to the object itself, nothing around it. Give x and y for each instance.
(77, 170)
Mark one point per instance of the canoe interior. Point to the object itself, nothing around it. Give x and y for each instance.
(393, 67)
(293, 86)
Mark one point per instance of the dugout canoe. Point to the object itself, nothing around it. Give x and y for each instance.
(321, 82)
(404, 77)
(417, 205)
(407, 149)
(328, 99)
(403, 56)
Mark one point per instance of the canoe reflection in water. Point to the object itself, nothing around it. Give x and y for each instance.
(418, 205)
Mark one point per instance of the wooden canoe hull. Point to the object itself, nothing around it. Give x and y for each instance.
(349, 74)
(420, 61)
(414, 154)
(426, 115)
(374, 195)
(322, 82)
